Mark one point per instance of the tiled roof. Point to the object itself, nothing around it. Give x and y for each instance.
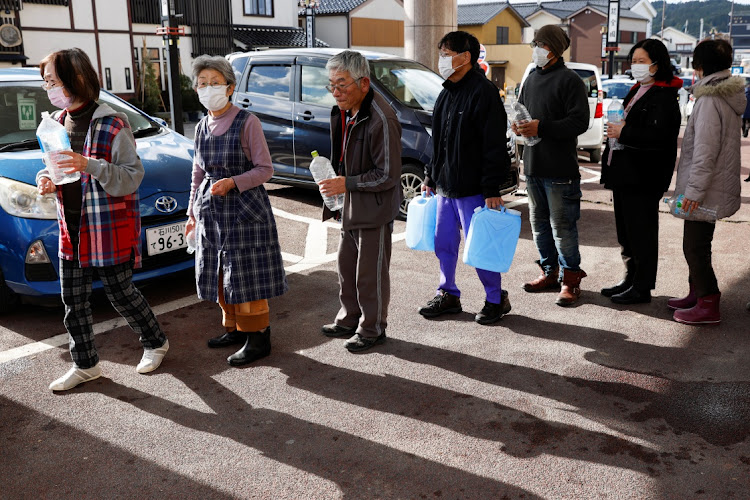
(336, 6)
(565, 8)
(479, 13)
(482, 13)
(271, 36)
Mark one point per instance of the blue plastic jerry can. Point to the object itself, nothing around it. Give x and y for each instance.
(492, 239)
(421, 217)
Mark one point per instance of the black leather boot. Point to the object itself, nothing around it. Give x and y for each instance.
(257, 346)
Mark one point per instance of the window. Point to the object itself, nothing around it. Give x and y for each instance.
(108, 78)
(314, 80)
(684, 47)
(589, 79)
(128, 84)
(270, 80)
(238, 66)
(259, 8)
(502, 35)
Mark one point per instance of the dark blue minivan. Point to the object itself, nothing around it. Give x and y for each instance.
(285, 89)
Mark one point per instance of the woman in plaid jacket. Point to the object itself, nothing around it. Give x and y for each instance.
(238, 257)
(98, 215)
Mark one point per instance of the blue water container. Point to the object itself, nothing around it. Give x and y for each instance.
(421, 217)
(493, 236)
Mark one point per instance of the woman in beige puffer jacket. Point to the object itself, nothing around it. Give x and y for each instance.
(708, 173)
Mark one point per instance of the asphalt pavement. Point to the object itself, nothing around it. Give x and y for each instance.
(592, 401)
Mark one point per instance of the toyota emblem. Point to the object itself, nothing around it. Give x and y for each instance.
(166, 204)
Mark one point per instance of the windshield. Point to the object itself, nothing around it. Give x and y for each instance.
(409, 82)
(22, 103)
(616, 90)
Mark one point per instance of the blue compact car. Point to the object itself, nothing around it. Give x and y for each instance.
(29, 265)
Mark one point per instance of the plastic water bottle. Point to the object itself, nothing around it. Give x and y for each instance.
(190, 238)
(706, 214)
(53, 139)
(523, 116)
(321, 169)
(615, 116)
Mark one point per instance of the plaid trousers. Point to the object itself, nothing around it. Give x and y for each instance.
(127, 300)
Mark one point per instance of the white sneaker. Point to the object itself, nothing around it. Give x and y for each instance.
(152, 358)
(76, 376)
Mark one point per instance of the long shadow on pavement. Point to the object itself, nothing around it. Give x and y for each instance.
(43, 458)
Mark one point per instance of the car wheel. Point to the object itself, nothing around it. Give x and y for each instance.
(411, 185)
(8, 298)
(595, 155)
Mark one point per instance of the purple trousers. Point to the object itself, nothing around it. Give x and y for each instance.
(452, 215)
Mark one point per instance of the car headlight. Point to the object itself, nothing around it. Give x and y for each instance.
(23, 200)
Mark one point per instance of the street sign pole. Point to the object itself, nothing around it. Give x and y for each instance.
(170, 37)
(613, 32)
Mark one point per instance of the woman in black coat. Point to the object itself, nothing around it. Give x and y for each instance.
(640, 173)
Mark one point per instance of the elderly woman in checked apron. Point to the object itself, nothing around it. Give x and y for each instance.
(238, 258)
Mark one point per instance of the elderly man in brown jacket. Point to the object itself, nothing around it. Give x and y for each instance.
(366, 154)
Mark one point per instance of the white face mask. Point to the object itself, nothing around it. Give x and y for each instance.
(58, 98)
(539, 56)
(445, 66)
(213, 99)
(641, 72)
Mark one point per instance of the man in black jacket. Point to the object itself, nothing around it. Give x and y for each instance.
(468, 165)
(556, 99)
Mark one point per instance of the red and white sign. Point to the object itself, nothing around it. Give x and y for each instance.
(482, 56)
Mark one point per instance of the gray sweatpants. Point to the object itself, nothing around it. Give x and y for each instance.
(363, 262)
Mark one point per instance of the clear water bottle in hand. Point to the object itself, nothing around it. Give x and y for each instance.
(53, 139)
(523, 116)
(701, 213)
(190, 239)
(321, 169)
(615, 116)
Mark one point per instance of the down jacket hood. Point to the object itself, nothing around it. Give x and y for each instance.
(722, 84)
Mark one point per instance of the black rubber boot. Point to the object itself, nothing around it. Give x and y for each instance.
(229, 338)
(257, 346)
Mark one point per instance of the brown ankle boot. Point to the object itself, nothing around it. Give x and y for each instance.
(544, 281)
(571, 287)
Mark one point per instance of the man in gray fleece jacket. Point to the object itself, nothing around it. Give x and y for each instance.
(556, 99)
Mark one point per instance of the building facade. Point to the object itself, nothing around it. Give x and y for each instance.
(499, 27)
(376, 25)
(120, 35)
(680, 45)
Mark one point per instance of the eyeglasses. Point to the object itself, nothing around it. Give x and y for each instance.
(341, 86)
(537, 44)
(51, 85)
(215, 86)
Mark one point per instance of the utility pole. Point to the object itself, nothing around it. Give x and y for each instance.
(170, 34)
(663, 8)
(731, 22)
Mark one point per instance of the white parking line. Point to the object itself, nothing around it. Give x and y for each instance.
(316, 247)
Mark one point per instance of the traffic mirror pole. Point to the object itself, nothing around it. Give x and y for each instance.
(171, 32)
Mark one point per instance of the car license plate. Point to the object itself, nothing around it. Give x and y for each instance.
(167, 238)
